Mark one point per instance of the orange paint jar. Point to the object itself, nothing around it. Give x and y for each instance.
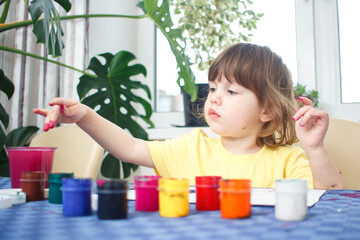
(235, 198)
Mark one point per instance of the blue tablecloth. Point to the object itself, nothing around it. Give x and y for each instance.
(335, 216)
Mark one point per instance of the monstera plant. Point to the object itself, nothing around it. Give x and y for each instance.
(114, 91)
(17, 137)
(114, 95)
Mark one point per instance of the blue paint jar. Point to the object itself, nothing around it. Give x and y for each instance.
(55, 184)
(76, 196)
(112, 201)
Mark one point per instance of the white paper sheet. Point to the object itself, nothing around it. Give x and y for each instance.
(259, 196)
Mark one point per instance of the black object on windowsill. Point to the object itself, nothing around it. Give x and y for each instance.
(194, 111)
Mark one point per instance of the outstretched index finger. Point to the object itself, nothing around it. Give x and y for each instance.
(62, 101)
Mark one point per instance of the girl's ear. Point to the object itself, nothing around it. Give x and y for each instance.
(265, 116)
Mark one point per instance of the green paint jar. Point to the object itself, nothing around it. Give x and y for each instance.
(55, 184)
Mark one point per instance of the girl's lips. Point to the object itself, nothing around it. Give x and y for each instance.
(213, 114)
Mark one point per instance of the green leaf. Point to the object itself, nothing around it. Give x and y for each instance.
(114, 94)
(127, 167)
(20, 136)
(4, 164)
(160, 15)
(4, 117)
(110, 167)
(65, 4)
(115, 97)
(6, 85)
(48, 29)
(2, 138)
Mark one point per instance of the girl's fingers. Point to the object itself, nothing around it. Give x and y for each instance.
(301, 112)
(306, 118)
(51, 118)
(42, 112)
(62, 101)
(312, 116)
(61, 109)
(306, 101)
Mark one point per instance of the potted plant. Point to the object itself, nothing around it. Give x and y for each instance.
(208, 27)
(116, 69)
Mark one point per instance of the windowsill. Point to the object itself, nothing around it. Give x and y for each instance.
(172, 132)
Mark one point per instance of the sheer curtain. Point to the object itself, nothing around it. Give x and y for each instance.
(37, 81)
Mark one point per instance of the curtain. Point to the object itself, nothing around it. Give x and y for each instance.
(37, 82)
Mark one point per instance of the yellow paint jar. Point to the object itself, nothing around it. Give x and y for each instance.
(173, 197)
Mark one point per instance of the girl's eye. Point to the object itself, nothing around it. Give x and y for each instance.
(232, 92)
(212, 89)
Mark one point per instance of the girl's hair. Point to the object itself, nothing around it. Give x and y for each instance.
(259, 69)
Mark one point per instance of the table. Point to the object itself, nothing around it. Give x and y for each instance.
(335, 216)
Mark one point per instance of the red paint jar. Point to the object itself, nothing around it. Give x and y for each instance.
(33, 184)
(207, 193)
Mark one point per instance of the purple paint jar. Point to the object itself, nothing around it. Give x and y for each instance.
(147, 194)
(76, 193)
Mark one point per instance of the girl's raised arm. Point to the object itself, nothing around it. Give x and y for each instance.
(311, 127)
(110, 136)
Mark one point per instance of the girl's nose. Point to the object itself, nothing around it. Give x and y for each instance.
(215, 98)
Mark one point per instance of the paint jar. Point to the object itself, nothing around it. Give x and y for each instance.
(173, 197)
(112, 200)
(207, 193)
(291, 199)
(55, 184)
(76, 194)
(33, 185)
(147, 195)
(29, 159)
(235, 198)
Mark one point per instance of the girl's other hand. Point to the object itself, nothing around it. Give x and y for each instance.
(63, 111)
(311, 124)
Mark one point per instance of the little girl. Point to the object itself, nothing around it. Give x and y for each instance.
(250, 105)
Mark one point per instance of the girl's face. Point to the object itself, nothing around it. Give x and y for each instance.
(232, 110)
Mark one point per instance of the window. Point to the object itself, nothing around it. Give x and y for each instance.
(276, 29)
(349, 50)
(333, 61)
(313, 38)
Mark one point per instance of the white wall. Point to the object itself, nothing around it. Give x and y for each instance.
(133, 35)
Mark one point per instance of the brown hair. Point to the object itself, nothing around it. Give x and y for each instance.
(259, 69)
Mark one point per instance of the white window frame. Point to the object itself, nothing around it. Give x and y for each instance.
(318, 60)
(327, 60)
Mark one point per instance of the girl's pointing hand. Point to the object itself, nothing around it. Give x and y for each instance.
(63, 111)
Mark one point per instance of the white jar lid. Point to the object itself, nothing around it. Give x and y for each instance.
(16, 196)
(5, 202)
(291, 185)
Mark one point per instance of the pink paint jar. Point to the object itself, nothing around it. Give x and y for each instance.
(147, 194)
(29, 159)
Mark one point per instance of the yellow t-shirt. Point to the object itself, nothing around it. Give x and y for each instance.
(197, 154)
